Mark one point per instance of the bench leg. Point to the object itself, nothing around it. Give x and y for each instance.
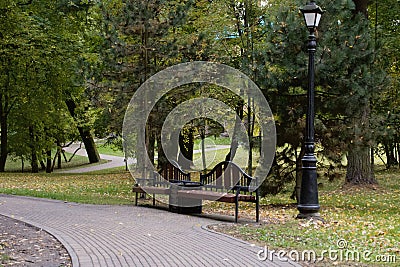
(154, 199)
(257, 206)
(136, 197)
(236, 211)
(236, 206)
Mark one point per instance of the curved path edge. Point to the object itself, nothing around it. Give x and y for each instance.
(53, 232)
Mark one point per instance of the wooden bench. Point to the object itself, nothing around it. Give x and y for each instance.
(160, 182)
(227, 182)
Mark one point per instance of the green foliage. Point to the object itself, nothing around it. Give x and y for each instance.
(41, 53)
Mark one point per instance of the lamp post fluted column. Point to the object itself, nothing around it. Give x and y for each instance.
(308, 204)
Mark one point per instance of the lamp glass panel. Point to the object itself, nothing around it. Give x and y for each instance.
(310, 19)
(318, 17)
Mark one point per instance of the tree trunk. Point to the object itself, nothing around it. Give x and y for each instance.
(34, 159)
(34, 162)
(86, 135)
(299, 174)
(390, 154)
(235, 143)
(398, 154)
(49, 162)
(4, 102)
(4, 139)
(250, 133)
(162, 159)
(186, 143)
(59, 157)
(90, 145)
(202, 131)
(150, 143)
(42, 165)
(22, 164)
(361, 7)
(359, 169)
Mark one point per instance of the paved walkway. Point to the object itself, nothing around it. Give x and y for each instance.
(103, 235)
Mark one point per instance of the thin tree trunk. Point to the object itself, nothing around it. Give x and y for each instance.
(234, 143)
(90, 145)
(299, 174)
(48, 161)
(86, 135)
(42, 165)
(4, 140)
(59, 157)
(34, 162)
(203, 147)
(150, 142)
(162, 159)
(250, 133)
(34, 159)
(186, 143)
(398, 153)
(4, 124)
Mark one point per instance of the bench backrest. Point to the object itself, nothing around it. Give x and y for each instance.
(226, 175)
(171, 172)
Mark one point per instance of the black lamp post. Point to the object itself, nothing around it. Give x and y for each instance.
(308, 203)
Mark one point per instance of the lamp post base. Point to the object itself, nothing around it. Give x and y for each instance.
(307, 216)
(309, 212)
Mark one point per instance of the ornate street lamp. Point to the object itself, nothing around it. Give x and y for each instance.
(308, 205)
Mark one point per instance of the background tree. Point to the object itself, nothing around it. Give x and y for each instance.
(384, 17)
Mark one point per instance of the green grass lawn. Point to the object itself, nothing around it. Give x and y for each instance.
(113, 188)
(365, 219)
(109, 150)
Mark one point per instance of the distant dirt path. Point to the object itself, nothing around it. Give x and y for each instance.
(113, 161)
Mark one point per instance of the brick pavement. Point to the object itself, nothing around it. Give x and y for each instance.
(105, 235)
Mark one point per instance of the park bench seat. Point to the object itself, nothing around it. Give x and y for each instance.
(226, 182)
(159, 183)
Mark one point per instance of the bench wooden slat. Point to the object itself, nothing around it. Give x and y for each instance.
(207, 195)
(151, 190)
(159, 183)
